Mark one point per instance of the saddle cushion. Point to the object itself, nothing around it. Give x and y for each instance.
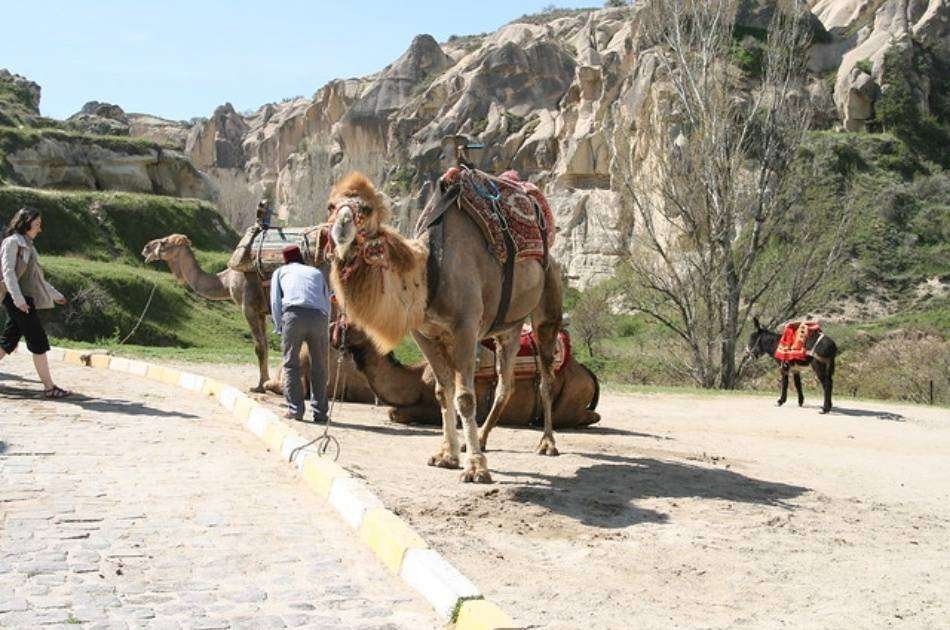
(516, 200)
(261, 250)
(527, 362)
(791, 347)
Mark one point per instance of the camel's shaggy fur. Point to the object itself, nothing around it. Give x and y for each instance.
(357, 185)
(389, 305)
(177, 240)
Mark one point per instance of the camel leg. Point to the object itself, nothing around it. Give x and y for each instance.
(448, 454)
(798, 388)
(506, 350)
(258, 325)
(546, 320)
(476, 469)
(547, 337)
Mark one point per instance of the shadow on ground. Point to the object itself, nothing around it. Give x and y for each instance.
(622, 480)
(395, 429)
(4, 376)
(867, 413)
(103, 405)
(599, 430)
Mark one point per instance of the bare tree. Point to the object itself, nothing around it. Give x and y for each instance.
(591, 318)
(712, 202)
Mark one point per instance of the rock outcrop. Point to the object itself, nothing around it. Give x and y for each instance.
(64, 161)
(169, 133)
(870, 36)
(19, 100)
(100, 118)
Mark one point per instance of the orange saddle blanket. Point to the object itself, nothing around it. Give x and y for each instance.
(791, 347)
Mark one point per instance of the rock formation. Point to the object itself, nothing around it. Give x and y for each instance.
(100, 118)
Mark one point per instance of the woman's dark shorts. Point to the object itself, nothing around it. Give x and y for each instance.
(20, 324)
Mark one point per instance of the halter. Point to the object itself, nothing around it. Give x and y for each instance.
(370, 249)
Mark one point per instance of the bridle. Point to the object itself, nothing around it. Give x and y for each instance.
(368, 249)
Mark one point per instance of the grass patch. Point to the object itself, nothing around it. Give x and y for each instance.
(108, 298)
(13, 139)
(115, 225)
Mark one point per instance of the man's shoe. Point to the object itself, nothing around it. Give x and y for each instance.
(320, 419)
(290, 415)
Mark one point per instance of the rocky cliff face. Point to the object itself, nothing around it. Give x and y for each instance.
(568, 100)
(88, 151)
(69, 162)
(870, 36)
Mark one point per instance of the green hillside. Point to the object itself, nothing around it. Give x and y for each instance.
(90, 249)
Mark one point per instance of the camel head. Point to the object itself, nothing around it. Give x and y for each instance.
(355, 209)
(165, 248)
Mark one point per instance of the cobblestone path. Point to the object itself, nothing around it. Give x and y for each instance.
(142, 506)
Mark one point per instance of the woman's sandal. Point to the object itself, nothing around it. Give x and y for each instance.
(56, 392)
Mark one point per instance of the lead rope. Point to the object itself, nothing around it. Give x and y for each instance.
(142, 316)
(325, 441)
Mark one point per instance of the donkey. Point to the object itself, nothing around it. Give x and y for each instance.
(821, 349)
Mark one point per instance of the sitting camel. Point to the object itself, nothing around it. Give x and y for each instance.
(410, 390)
(247, 291)
(382, 279)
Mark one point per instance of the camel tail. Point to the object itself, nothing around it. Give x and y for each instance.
(596, 399)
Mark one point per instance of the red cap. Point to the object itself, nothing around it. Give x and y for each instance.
(292, 254)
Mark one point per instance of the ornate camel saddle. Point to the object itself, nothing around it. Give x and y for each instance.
(500, 206)
(261, 250)
(527, 361)
(795, 337)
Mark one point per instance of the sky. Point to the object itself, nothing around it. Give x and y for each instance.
(179, 59)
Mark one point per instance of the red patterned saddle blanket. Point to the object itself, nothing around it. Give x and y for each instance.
(526, 363)
(521, 204)
(791, 347)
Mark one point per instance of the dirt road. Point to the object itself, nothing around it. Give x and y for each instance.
(689, 511)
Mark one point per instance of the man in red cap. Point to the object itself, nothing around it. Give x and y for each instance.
(300, 306)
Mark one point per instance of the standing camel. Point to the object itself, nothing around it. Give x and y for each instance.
(244, 289)
(247, 291)
(821, 350)
(381, 278)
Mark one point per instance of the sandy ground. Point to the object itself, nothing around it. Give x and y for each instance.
(686, 511)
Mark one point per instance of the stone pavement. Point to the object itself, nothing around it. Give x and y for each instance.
(143, 506)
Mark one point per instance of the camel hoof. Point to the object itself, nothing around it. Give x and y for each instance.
(444, 460)
(779, 403)
(824, 411)
(547, 448)
(258, 390)
(473, 475)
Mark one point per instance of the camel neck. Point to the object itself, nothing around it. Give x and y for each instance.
(208, 285)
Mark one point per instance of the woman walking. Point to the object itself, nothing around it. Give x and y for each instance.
(24, 290)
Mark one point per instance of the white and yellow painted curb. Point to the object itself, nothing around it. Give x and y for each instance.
(399, 548)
